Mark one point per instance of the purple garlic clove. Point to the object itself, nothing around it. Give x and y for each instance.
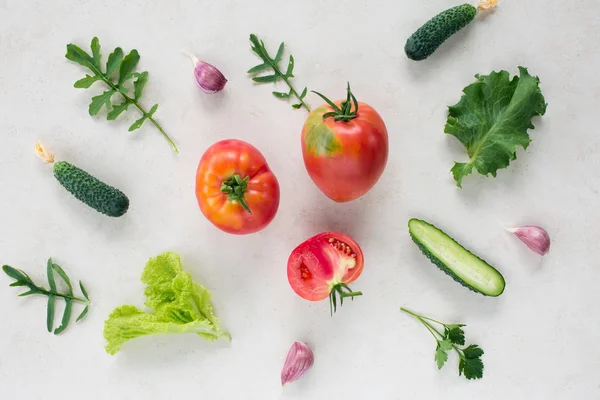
(208, 77)
(299, 361)
(535, 237)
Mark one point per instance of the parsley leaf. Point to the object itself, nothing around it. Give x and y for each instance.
(440, 357)
(453, 335)
(473, 351)
(456, 334)
(445, 344)
(473, 368)
(492, 118)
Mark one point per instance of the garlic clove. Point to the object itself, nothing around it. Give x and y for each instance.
(208, 77)
(299, 361)
(535, 237)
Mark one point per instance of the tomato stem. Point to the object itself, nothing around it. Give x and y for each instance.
(343, 291)
(235, 187)
(344, 112)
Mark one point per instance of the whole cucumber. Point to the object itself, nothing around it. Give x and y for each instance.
(437, 30)
(90, 190)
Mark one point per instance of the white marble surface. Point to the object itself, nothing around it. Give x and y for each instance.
(540, 336)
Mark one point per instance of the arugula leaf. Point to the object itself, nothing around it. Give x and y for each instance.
(125, 65)
(258, 46)
(95, 46)
(139, 83)
(22, 279)
(492, 118)
(117, 109)
(101, 100)
(86, 82)
(114, 62)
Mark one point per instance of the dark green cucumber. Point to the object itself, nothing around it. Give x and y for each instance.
(452, 258)
(437, 30)
(93, 192)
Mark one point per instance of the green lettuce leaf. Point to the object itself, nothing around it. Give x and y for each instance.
(492, 118)
(180, 306)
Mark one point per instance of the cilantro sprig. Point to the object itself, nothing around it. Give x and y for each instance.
(22, 279)
(125, 66)
(451, 338)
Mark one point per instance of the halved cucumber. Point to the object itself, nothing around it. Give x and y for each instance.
(458, 262)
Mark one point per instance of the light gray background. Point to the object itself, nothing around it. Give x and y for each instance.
(540, 337)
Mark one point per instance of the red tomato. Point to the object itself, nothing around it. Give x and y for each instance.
(324, 265)
(235, 188)
(345, 148)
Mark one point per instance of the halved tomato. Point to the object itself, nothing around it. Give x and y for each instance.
(323, 266)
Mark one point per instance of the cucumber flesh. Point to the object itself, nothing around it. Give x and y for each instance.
(458, 262)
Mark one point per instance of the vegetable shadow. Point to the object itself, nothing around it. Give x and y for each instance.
(153, 352)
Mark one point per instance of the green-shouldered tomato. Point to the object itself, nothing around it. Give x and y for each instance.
(345, 148)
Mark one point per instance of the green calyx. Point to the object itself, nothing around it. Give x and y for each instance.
(344, 112)
(343, 291)
(235, 187)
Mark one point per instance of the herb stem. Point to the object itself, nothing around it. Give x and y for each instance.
(421, 319)
(433, 320)
(64, 296)
(285, 79)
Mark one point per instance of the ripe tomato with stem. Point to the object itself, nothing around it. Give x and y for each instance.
(235, 188)
(345, 147)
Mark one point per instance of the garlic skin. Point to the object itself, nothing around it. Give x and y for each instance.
(209, 79)
(299, 361)
(535, 237)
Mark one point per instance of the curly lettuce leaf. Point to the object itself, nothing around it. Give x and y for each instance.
(180, 306)
(492, 118)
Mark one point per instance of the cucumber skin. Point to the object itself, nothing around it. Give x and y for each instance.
(438, 263)
(90, 190)
(437, 30)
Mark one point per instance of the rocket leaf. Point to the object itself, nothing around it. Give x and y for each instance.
(492, 118)
(125, 65)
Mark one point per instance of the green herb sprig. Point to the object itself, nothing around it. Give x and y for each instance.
(258, 46)
(125, 66)
(469, 357)
(22, 279)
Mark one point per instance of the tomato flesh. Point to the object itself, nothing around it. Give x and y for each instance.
(320, 263)
(345, 159)
(221, 162)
